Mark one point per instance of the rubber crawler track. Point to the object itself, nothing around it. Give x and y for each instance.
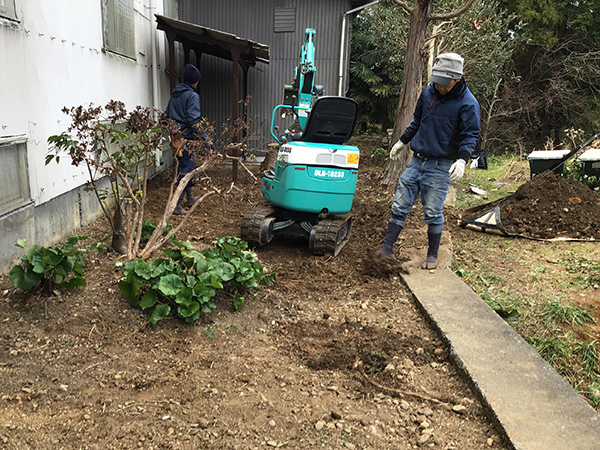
(331, 235)
(252, 224)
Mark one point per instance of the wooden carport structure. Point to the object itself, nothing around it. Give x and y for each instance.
(243, 53)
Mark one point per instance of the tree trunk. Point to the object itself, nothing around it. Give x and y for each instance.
(119, 241)
(412, 83)
(270, 157)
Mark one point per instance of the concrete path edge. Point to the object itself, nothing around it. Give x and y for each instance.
(529, 402)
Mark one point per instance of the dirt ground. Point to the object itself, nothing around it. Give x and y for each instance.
(327, 357)
(550, 206)
(330, 356)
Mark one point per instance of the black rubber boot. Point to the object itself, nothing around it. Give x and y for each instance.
(391, 235)
(431, 262)
(190, 196)
(179, 211)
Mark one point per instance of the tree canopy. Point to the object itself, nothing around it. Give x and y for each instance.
(534, 65)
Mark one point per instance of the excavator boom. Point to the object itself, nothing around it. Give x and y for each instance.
(299, 94)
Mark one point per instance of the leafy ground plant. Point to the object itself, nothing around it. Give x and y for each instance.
(187, 281)
(557, 311)
(49, 266)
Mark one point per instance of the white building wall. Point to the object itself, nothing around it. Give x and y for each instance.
(54, 58)
(51, 57)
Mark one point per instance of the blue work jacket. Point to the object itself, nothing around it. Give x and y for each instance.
(184, 108)
(444, 126)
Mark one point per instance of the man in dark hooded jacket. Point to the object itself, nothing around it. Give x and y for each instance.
(184, 109)
(442, 136)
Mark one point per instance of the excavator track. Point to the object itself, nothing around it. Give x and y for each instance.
(257, 226)
(330, 235)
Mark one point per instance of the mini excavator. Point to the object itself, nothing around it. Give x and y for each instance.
(310, 190)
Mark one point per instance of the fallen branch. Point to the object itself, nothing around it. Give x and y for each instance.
(237, 147)
(393, 391)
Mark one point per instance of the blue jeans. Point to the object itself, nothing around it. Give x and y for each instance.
(431, 178)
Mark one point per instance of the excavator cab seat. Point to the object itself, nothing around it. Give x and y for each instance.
(331, 121)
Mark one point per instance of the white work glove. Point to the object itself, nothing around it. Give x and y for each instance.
(396, 149)
(457, 170)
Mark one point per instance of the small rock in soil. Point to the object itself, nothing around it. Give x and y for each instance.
(427, 412)
(459, 408)
(424, 439)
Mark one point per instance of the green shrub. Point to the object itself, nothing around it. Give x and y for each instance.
(49, 266)
(187, 281)
(574, 169)
(378, 151)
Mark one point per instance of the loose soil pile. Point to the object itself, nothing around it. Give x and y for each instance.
(327, 357)
(550, 206)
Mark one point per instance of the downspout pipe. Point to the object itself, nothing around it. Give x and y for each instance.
(343, 41)
(154, 50)
(154, 58)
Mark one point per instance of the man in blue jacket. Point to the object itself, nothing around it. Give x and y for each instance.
(442, 136)
(184, 109)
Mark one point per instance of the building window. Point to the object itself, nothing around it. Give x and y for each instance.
(7, 9)
(13, 175)
(118, 27)
(171, 9)
(284, 20)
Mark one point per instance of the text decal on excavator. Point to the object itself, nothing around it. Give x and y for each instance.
(328, 173)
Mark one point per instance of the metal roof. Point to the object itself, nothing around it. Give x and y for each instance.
(214, 42)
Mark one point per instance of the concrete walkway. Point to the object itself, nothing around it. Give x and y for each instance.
(531, 403)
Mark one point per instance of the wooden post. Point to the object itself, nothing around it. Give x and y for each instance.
(245, 108)
(235, 56)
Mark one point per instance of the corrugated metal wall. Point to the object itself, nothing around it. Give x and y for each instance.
(254, 20)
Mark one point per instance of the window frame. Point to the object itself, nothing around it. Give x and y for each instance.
(24, 193)
(8, 9)
(118, 16)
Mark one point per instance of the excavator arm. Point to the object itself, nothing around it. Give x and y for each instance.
(299, 95)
